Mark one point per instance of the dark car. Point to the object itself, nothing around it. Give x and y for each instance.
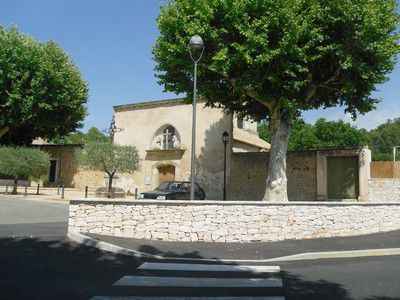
(174, 190)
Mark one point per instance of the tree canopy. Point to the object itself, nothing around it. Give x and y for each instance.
(322, 134)
(273, 59)
(42, 93)
(23, 162)
(109, 158)
(382, 139)
(93, 135)
(292, 55)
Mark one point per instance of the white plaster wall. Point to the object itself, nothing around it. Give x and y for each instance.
(140, 124)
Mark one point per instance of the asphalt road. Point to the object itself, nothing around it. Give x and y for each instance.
(38, 262)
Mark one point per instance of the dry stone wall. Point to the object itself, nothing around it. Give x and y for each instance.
(384, 190)
(229, 221)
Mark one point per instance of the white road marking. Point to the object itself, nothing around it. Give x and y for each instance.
(208, 268)
(198, 282)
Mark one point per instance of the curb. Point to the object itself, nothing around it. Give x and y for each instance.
(91, 242)
(23, 198)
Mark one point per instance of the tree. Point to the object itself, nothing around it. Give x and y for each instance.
(302, 136)
(322, 134)
(23, 162)
(109, 158)
(93, 135)
(383, 138)
(42, 93)
(339, 133)
(272, 59)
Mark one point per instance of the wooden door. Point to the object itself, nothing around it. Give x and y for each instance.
(166, 173)
(343, 177)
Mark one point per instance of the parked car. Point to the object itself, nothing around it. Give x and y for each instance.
(174, 190)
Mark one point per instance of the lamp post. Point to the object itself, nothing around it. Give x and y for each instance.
(225, 140)
(195, 44)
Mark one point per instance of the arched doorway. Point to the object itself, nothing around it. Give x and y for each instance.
(166, 173)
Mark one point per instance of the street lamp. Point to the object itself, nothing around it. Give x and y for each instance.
(225, 140)
(195, 44)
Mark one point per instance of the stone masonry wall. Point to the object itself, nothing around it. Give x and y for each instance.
(384, 190)
(229, 221)
(249, 173)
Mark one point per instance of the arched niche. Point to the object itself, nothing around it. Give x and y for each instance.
(166, 138)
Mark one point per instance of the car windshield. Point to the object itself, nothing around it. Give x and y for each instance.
(163, 186)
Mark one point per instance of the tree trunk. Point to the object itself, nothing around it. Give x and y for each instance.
(14, 191)
(276, 187)
(110, 180)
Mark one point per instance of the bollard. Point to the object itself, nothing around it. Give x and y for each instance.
(86, 191)
(26, 191)
(58, 189)
(62, 192)
(136, 193)
(113, 193)
(38, 188)
(6, 189)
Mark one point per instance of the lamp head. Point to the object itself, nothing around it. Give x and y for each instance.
(225, 137)
(196, 43)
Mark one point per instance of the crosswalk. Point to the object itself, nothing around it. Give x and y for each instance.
(185, 281)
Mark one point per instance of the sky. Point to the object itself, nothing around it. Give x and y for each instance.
(111, 42)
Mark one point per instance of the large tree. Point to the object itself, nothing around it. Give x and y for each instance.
(42, 93)
(21, 162)
(273, 58)
(109, 158)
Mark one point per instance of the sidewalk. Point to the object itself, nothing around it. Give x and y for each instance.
(253, 251)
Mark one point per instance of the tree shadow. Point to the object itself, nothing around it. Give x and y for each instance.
(55, 268)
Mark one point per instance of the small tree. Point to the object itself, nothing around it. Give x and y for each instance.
(109, 158)
(23, 162)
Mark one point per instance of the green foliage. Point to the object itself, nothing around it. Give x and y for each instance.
(385, 136)
(270, 56)
(24, 162)
(42, 93)
(376, 156)
(109, 158)
(322, 134)
(382, 139)
(93, 135)
(338, 133)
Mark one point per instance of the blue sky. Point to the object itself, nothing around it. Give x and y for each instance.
(111, 42)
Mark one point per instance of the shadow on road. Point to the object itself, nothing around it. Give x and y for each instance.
(54, 268)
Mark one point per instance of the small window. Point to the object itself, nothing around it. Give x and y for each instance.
(168, 138)
(240, 123)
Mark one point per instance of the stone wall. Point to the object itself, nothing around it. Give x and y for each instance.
(384, 190)
(249, 173)
(230, 221)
